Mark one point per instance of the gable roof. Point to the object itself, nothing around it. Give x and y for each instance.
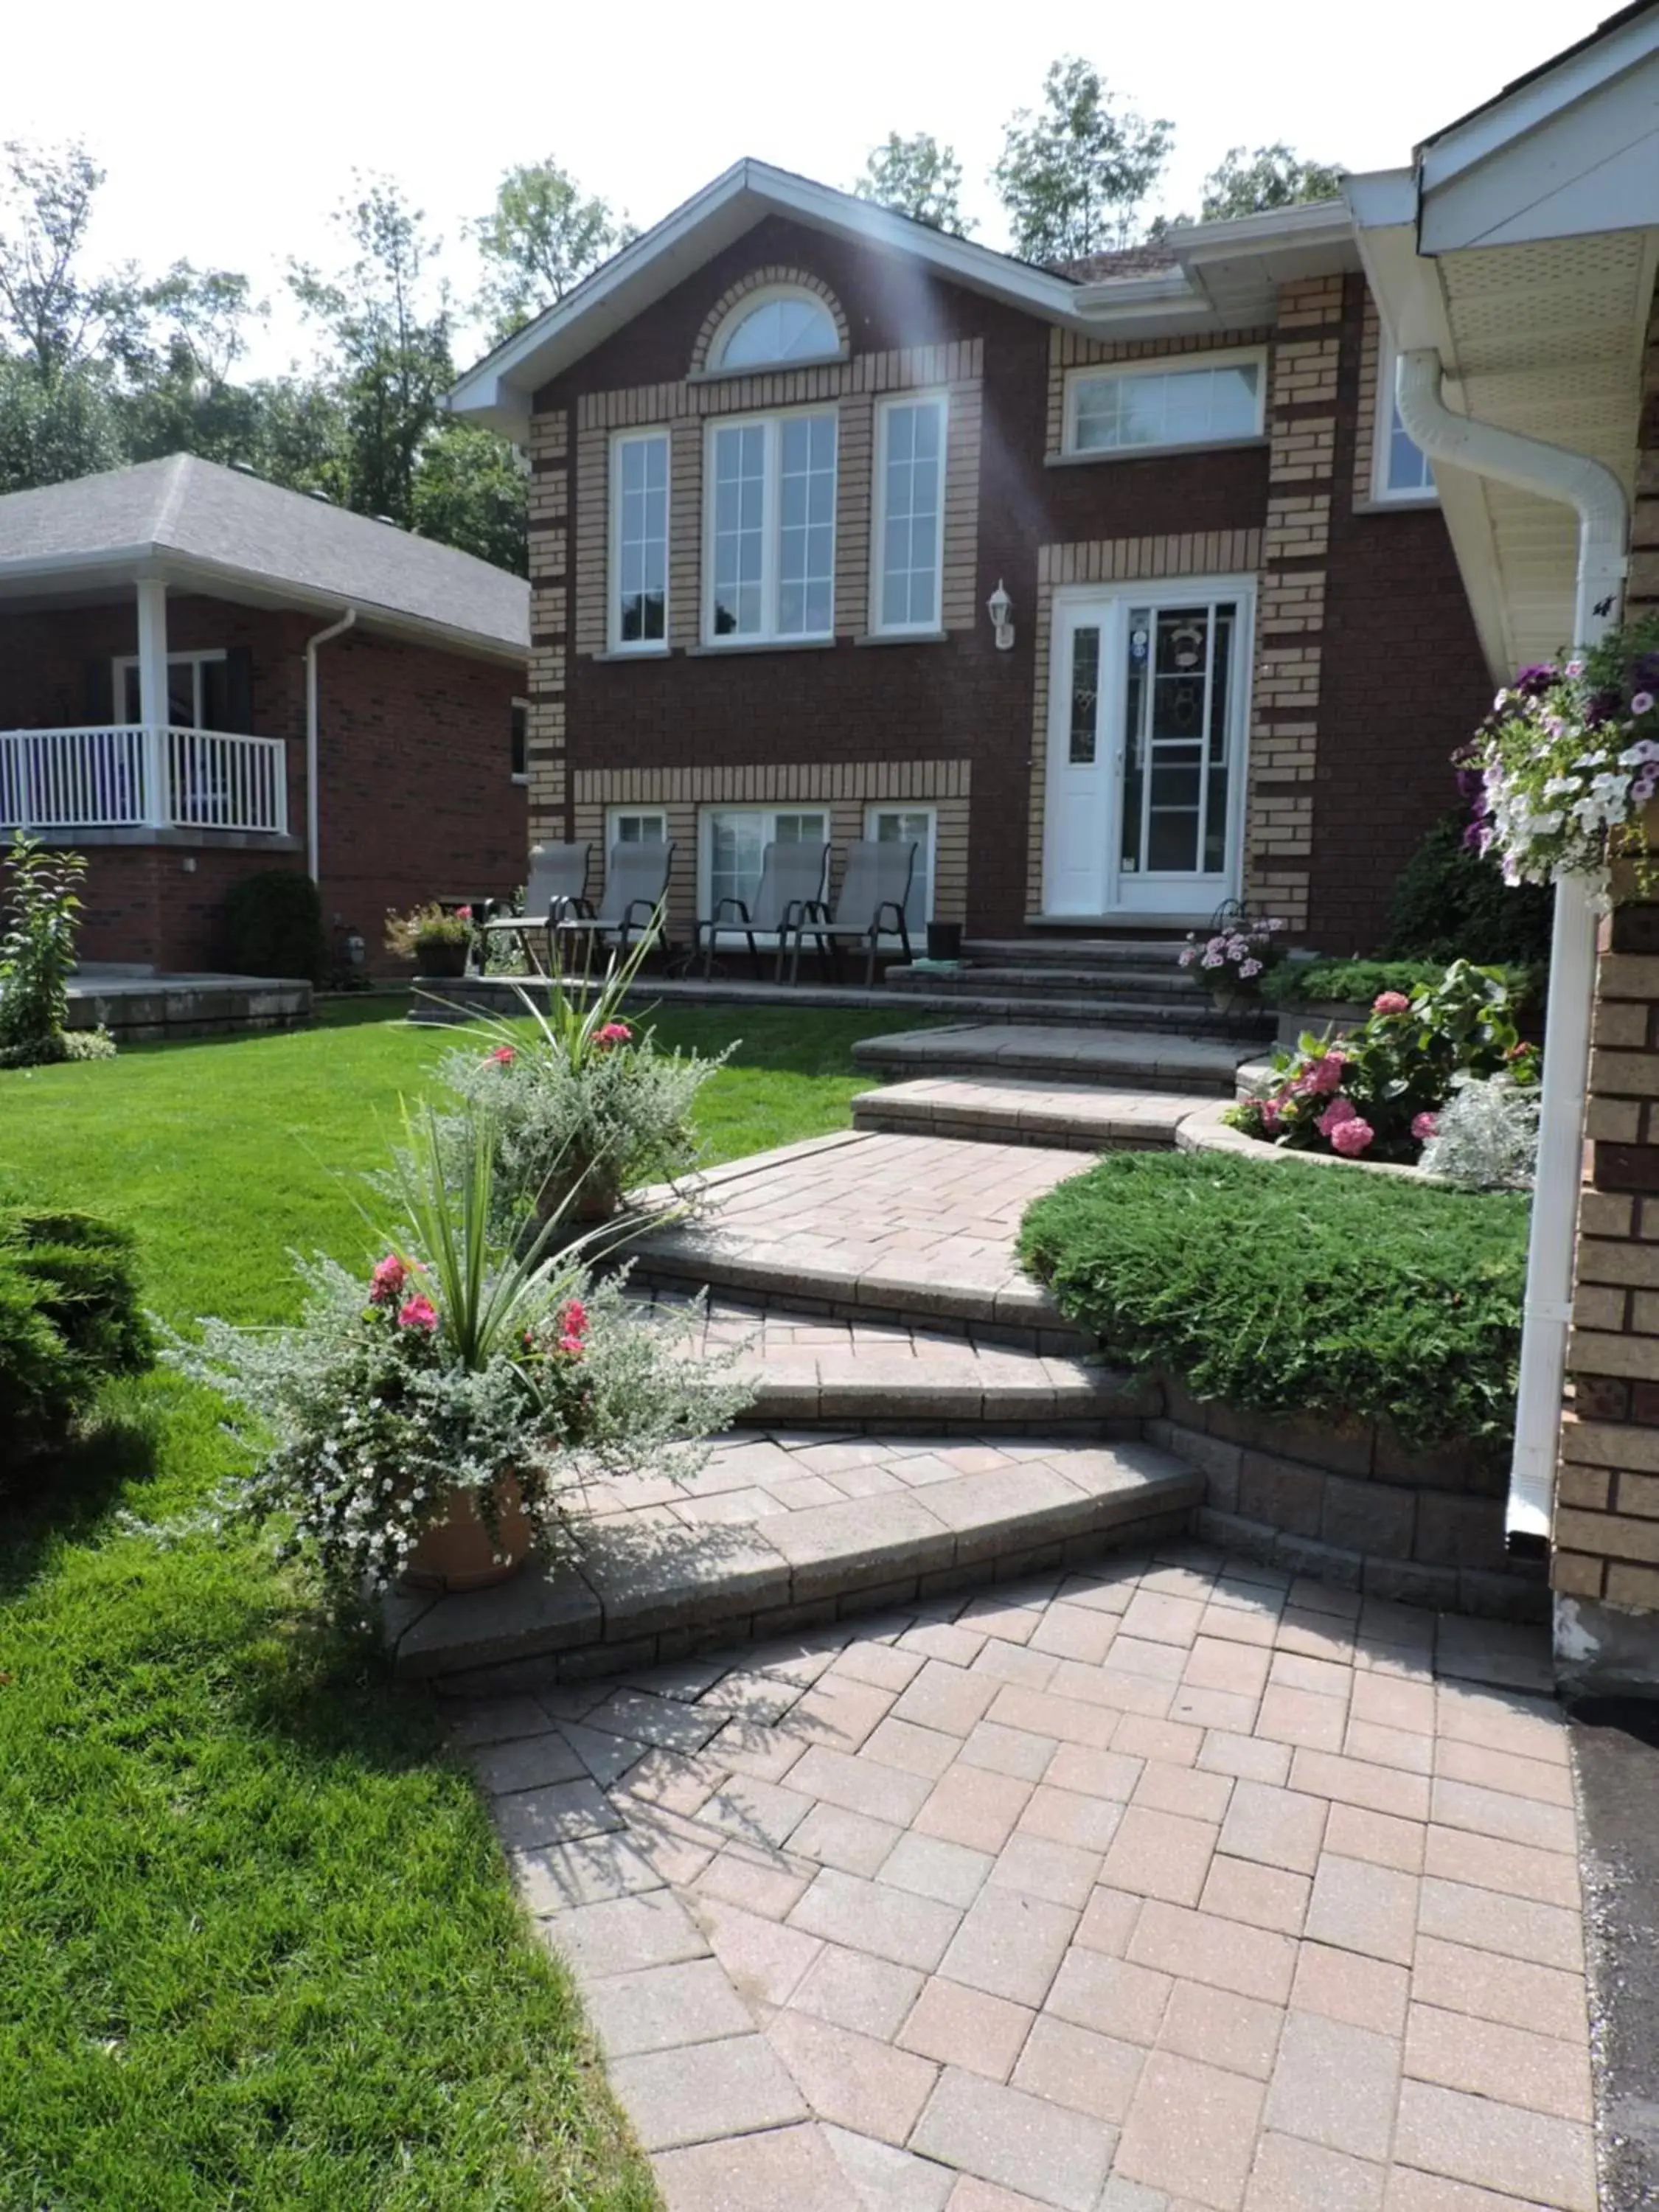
(204, 526)
(1200, 276)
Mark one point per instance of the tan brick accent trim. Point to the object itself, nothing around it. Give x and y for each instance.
(854, 387)
(550, 617)
(1069, 350)
(759, 280)
(844, 788)
(1370, 371)
(1109, 561)
(1309, 301)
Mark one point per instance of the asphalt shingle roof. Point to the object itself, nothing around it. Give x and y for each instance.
(239, 524)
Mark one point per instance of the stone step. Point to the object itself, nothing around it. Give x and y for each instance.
(1055, 1052)
(1163, 986)
(783, 1534)
(1091, 952)
(961, 996)
(1017, 1110)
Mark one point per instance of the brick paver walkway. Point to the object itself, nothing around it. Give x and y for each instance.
(1166, 1884)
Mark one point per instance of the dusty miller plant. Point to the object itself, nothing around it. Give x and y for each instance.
(37, 954)
(1485, 1136)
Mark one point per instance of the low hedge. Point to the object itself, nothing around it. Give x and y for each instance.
(69, 1317)
(1303, 982)
(1279, 1290)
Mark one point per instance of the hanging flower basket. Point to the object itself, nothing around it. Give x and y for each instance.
(1564, 768)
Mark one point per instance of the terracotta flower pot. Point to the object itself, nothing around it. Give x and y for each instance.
(457, 1552)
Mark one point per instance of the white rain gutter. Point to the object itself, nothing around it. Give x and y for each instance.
(1598, 498)
(313, 814)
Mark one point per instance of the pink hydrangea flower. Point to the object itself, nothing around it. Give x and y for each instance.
(503, 1055)
(1423, 1126)
(1339, 1111)
(1325, 1075)
(1390, 1002)
(418, 1313)
(1350, 1138)
(1642, 703)
(386, 1283)
(614, 1033)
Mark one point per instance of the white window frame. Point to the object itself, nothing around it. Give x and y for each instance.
(878, 514)
(615, 642)
(615, 816)
(772, 423)
(123, 661)
(1173, 364)
(876, 807)
(767, 813)
(521, 775)
(761, 296)
(1383, 493)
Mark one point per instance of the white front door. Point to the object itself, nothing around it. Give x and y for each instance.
(1149, 700)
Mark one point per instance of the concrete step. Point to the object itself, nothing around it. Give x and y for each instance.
(777, 1535)
(1015, 1110)
(1168, 987)
(1090, 1010)
(1094, 952)
(1134, 1059)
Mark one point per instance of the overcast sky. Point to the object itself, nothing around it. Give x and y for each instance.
(229, 133)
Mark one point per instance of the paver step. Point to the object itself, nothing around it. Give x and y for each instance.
(1131, 1060)
(779, 1533)
(1086, 1009)
(1017, 1110)
(1093, 953)
(1164, 986)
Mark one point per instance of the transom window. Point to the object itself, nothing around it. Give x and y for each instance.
(198, 691)
(639, 528)
(636, 825)
(734, 842)
(909, 513)
(1204, 402)
(771, 528)
(782, 326)
(1399, 467)
(908, 825)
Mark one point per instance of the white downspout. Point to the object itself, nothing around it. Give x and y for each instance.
(1598, 497)
(312, 815)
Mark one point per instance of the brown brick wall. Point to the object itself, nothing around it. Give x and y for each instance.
(417, 793)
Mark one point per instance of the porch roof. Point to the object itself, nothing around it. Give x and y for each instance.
(205, 528)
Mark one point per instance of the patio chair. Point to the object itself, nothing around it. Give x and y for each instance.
(636, 886)
(558, 882)
(791, 880)
(870, 904)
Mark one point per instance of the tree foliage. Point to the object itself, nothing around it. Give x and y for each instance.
(539, 241)
(1072, 176)
(917, 176)
(1253, 183)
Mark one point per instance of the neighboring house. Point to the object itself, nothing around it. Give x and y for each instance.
(788, 446)
(177, 640)
(1515, 263)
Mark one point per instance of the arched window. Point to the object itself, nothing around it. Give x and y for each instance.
(783, 326)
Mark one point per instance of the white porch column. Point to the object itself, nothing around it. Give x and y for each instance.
(153, 697)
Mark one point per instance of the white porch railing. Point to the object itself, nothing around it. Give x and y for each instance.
(130, 777)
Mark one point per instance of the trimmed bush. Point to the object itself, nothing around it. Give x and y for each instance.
(69, 1318)
(1449, 904)
(274, 924)
(1359, 982)
(1283, 1290)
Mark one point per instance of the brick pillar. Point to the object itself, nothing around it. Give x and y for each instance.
(550, 624)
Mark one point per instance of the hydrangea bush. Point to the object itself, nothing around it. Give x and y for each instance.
(1233, 960)
(463, 1361)
(1377, 1095)
(1564, 765)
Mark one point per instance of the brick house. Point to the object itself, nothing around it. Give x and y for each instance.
(1515, 261)
(787, 445)
(179, 641)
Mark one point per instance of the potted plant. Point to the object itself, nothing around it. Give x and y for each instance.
(436, 939)
(584, 1104)
(1232, 961)
(425, 1419)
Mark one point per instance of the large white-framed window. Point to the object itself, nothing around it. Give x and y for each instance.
(915, 826)
(639, 541)
(909, 519)
(1400, 472)
(769, 529)
(732, 842)
(1144, 406)
(779, 326)
(198, 690)
(634, 825)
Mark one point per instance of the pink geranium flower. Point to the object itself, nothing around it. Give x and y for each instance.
(1339, 1111)
(572, 1327)
(503, 1055)
(386, 1283)
(1390, 1002)
(1350, 1138)
(1425, 1126)
(418, 1313)
(614, 1033)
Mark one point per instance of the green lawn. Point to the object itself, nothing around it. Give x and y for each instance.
(259, 1948)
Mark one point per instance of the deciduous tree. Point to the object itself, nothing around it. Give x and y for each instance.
(541, 238)
(1073, 175)
(916, 176)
